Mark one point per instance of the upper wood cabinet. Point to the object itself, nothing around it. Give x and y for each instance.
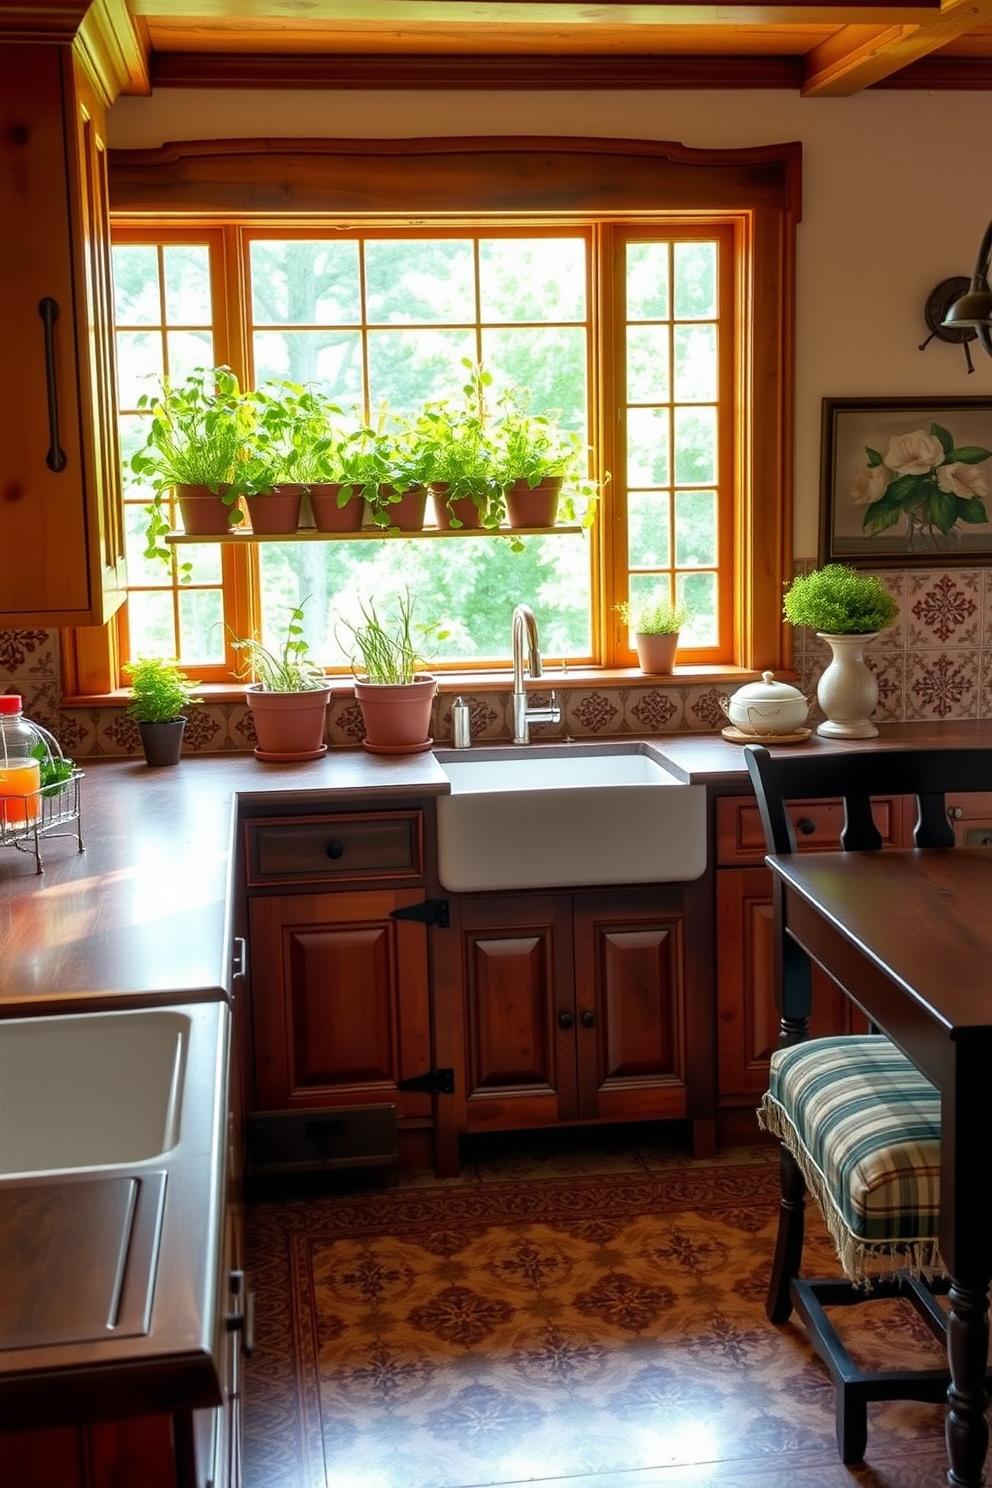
(61, 518)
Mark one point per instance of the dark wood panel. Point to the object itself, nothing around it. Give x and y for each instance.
(308, 849)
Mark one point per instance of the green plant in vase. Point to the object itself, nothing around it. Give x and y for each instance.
(846, 609)
(159, 694)
(533, 452)
(458, 459)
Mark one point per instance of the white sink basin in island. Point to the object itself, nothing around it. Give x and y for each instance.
(545, 816)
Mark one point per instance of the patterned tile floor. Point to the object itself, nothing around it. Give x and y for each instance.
(573, 1312)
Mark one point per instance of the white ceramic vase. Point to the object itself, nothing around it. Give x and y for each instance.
(848, 690)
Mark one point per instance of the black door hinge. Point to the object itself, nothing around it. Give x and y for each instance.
(430, 912)
(434, 1082)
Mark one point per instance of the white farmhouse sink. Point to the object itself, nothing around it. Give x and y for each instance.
(85, 1090)
(561, 816)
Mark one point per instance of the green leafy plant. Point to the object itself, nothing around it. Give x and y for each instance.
(533, 447)
(159, 691)
(838, 600)
(385, 649)
(654, 614)
(199, 434)
(927, 477)
(54, 769)
(290, 668)
(297, 436)
(457, 453)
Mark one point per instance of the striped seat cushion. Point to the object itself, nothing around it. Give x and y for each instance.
(864, 1127)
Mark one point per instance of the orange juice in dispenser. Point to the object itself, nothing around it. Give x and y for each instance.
(20, 770)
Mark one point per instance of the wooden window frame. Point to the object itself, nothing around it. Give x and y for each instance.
(403, 180)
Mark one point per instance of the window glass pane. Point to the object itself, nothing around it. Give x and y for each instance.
(695, 363)
(330, 359)
(203, 560)
(140, 570)
(695, 529)
(188, 350)
(139, 365)
(136, 285)
(695, 445)
(410, 368)
(532, 278)
(647, 281)
(695, 280)
(201, 626)
(150, 624)
(648, 349)
(425, 282)
(550, 362)
(647, 447)
(647, 530)
(187, 284)
(699, 591)
(305, 283)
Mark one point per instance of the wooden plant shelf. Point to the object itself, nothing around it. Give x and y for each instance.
(307, 534)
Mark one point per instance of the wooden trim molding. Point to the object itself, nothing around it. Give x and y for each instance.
(447, 71)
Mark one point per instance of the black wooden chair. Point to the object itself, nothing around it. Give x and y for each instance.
(859, 1125)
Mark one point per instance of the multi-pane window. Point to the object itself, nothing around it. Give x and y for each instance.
(625, 329)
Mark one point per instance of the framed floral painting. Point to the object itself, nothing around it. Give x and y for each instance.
(906, 481)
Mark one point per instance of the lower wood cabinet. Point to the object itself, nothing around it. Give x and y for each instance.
(340, 1001)
(571, 1007)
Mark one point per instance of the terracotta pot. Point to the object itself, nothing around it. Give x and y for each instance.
(276, 512)
(162, 742)
(329, 516)
(407, 513)
(397, 716)
(205, 513)
(289, 725)
(533, 506)
(656, 653)
(463, 508)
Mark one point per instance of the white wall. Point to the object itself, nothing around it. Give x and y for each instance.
(897, 193)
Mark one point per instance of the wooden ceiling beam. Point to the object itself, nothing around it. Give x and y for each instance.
(862, 56)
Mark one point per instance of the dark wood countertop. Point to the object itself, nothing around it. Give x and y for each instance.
(145, 912)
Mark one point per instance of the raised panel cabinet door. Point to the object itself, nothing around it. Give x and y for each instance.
(520, 1024)
(630, 1005)
(61, 519)
(340, 1000)
(747, 1016)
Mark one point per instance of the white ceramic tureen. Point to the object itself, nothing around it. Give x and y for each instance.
(766, 707)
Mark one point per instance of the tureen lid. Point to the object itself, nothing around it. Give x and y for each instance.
(768, 691)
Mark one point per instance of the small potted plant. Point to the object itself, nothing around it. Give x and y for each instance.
(655, 620)
(846, 609)
(159, 694)
(540, 466)
(300, 448)
(392, 686)
(458, 459)
(288, 695)
(197, 444)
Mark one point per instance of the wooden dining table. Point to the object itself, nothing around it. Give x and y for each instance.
(908, 936)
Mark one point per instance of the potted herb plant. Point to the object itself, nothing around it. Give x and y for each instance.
(197, 444)
(394, 690)
(159, 694)
(655, 621)
(458, 460)
(300, 448)
(847, 609)
(288, 695)
(540, 466)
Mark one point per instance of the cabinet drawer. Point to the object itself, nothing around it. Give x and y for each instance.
(818, 825)
(322, 849)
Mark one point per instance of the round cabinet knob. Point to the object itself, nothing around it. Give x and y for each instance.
(335, 849)
(565, 1020)
(588, 1019)
(806, 826)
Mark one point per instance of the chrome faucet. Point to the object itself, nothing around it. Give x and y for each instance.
(525, 632)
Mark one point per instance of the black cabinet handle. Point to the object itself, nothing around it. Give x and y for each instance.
(588, 1019)
(335, 849)
(565, 1020)
(56, 459)
(806, 826)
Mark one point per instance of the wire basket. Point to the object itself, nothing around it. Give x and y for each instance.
(50, 811)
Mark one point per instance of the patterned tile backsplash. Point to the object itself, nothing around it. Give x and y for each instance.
(934, 662)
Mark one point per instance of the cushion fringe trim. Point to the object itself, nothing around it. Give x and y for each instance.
(860, 1259)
